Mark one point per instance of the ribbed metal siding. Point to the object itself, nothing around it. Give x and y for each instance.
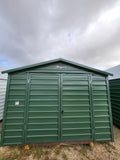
(49, 95)
(42, 97)
(13, 129)
(75, 102)
(115, 100)
(101, 109)
(43, 109)
(3, 83)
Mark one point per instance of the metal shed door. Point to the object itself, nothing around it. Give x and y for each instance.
(42, 123)
(76, 115)
(58, 108)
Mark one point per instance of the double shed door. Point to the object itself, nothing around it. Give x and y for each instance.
(58, 108)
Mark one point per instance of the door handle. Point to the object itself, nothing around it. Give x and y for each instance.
(62, 111)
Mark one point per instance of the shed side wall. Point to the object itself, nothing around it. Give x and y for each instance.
(115, 100)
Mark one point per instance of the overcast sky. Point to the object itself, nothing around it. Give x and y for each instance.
(84, 31)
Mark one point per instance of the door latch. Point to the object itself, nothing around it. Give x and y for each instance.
(62, 111)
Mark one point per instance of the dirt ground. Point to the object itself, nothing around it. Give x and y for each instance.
(100, 151)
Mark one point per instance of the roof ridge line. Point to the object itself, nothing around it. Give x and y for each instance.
(56, 60)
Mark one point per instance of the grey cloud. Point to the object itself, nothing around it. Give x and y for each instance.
(34, 31)
(79, 13)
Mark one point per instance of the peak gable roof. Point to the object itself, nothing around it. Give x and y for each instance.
(57, 60)
(114, 70)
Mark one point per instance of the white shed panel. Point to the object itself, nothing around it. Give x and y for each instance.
(3, 82)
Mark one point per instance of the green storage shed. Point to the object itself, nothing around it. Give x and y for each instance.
(115, 94)
(56, 101)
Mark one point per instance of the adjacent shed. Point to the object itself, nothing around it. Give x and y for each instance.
(3, 83)
(56, 101)
(115, 93)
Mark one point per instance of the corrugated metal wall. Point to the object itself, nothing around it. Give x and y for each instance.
(34, 105)
(115, 100)
(76, 119)
(42, 119)
(3, 83)
(102, 118)
(13, 128)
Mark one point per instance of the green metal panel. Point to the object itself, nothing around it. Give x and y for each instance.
(110, 112)
(75, 108)
(115, 100)
(13, 123)
(43, 108)
(101, 109)
(49, 95)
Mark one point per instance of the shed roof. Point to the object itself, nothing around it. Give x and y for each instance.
(115, 71)
(58, 60)
(1, 75)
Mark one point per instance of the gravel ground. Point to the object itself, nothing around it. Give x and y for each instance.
(100, 151)
(108, 150)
